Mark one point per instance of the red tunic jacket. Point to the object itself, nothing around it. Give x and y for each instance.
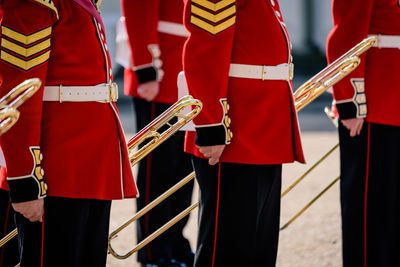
(256, 118)
(84, 154)
(156, 37)
(373, 89)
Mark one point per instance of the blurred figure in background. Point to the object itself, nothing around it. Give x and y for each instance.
(152, 62)
(367, 104)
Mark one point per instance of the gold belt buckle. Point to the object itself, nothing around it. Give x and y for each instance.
(113, 87)
(263, 73)
(291, 71)
(60, 93)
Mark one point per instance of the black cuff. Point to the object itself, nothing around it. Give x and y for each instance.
(26, 189)
(146, 74)
(211, 136)
(347, 110)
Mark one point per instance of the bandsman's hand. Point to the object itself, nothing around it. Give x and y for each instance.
(32, 210)
(213, 153)
(354, 125)
(148, 90)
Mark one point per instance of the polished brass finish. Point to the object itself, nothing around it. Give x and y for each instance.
(332, 74)
(309, 170)
(313, 88)
(310, 203)
(8, 237)
(12, 100)
(306, 93)
(150, 132)
(9, 116)
(154, 138)
(146, 209)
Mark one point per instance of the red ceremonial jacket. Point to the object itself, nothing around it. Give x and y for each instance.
(373, 89)
(76, 148)
(256, 118)
(156, 37)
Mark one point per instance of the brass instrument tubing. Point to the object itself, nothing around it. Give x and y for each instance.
(146, 209)
(309, 170)
(310, 203)
(8, 237)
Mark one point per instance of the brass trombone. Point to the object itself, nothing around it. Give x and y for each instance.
(150, 132)
(351, 60)
(306, 93)
(9, 116)
(152, 135)
(12, 100)
(335, 122)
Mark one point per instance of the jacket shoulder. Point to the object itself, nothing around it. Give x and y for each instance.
(47, 4)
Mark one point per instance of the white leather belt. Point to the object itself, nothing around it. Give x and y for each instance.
(98, 93)
(387, 41)
(172, 28)
(279, 72)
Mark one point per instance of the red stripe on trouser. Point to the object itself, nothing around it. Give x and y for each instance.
(5, 232)
(148, 185)
(366, 197)
(216, 214)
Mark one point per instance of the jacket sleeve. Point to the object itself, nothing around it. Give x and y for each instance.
(206, 63)
(26, 28)
(141, 18)
(351, 23)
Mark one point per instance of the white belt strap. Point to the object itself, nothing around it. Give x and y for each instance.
(387, 41)
(172, 28)
(99, 93)
(279, 72)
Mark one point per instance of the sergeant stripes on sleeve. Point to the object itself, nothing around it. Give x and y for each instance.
(214, 17)
(25, 51)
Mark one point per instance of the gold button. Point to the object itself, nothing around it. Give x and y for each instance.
(272, 2)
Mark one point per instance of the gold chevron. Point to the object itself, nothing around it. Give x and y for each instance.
(26, 52)
(211, 17)
(24, 64)
(25, 39)
(211, 28)
(214, 6)
(49, 4)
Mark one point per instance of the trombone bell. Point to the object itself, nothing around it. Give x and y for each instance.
(13, 99)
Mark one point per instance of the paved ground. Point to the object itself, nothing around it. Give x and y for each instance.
(314, 238)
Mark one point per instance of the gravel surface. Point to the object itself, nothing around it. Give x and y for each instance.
(311, 240)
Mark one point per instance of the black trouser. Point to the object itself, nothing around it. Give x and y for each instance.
(238, 214)
(75, 234)
(9, 254)
(370, 163)
(160, 170)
